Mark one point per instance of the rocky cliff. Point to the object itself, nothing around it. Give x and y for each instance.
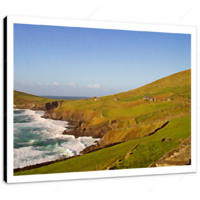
(78, 125)
(176, 157)
(94, 131)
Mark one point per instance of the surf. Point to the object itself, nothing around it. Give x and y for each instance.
(38, 140)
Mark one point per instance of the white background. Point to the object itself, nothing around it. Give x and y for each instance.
(180, 186)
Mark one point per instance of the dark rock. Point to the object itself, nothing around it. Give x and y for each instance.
(94, 131)
(89, 149)
(48, 106)
(55, 104)
(113, 121)
(166, 139)
(51, 106)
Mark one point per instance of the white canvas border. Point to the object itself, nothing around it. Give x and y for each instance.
(102, 25)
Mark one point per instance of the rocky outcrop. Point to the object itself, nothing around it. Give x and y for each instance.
(74, 117)
(96, 147)
(51, 105)
(38, 106)
(77, 123)
(176, 157)
(94, 131)
(132, 133)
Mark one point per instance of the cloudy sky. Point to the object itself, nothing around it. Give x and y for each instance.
(68, 61)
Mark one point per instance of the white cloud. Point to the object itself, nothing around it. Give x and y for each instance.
(40, 83)
(55, 83)
(94, 85)
(71, 89)
(72, 84)
(23, 82)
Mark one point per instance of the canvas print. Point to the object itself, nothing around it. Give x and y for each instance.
(93, 99)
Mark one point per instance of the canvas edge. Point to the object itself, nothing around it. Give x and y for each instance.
(99, 174)
(5, 98)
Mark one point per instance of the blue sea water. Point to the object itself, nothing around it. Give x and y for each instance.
(38, 140)
(66, 97)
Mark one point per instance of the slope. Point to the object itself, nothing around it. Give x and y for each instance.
(130, 121)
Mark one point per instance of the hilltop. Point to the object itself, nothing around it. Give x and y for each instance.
(137, 127)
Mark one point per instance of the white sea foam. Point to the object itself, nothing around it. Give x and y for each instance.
(30, 156)
(54, 126)
(48, 143)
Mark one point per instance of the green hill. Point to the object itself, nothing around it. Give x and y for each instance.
(145, 130)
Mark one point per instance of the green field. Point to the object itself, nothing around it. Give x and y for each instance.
(138, 110)
(132, 121)
(150, 150)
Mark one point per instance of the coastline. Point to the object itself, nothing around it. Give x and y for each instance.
(67, 128)
(42, 164)
(71, 124)
(61, 159)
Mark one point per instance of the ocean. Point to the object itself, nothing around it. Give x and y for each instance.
(66, 97)
(38, 140)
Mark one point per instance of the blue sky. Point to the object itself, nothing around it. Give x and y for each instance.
(68, 61)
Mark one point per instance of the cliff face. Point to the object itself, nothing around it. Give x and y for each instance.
(75, 118)
(94, 131)
(77, 123)
(70, 115)
(38, 106)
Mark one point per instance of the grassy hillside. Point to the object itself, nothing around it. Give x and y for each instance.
(132, 120)
(150, 150)
(21, 97)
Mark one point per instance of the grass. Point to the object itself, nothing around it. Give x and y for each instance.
(144, 117)
(24, 97)
(146, 154)
(135, 111)
(151, 149)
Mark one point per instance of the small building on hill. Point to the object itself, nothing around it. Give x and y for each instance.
(116, 99)
(149, 98)
(152, 99)
(146, 98)
(95, 98)
(169, 99)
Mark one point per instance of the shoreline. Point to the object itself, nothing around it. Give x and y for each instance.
(29, 167)
(67, 127)
(46, 116)
(42, 164)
